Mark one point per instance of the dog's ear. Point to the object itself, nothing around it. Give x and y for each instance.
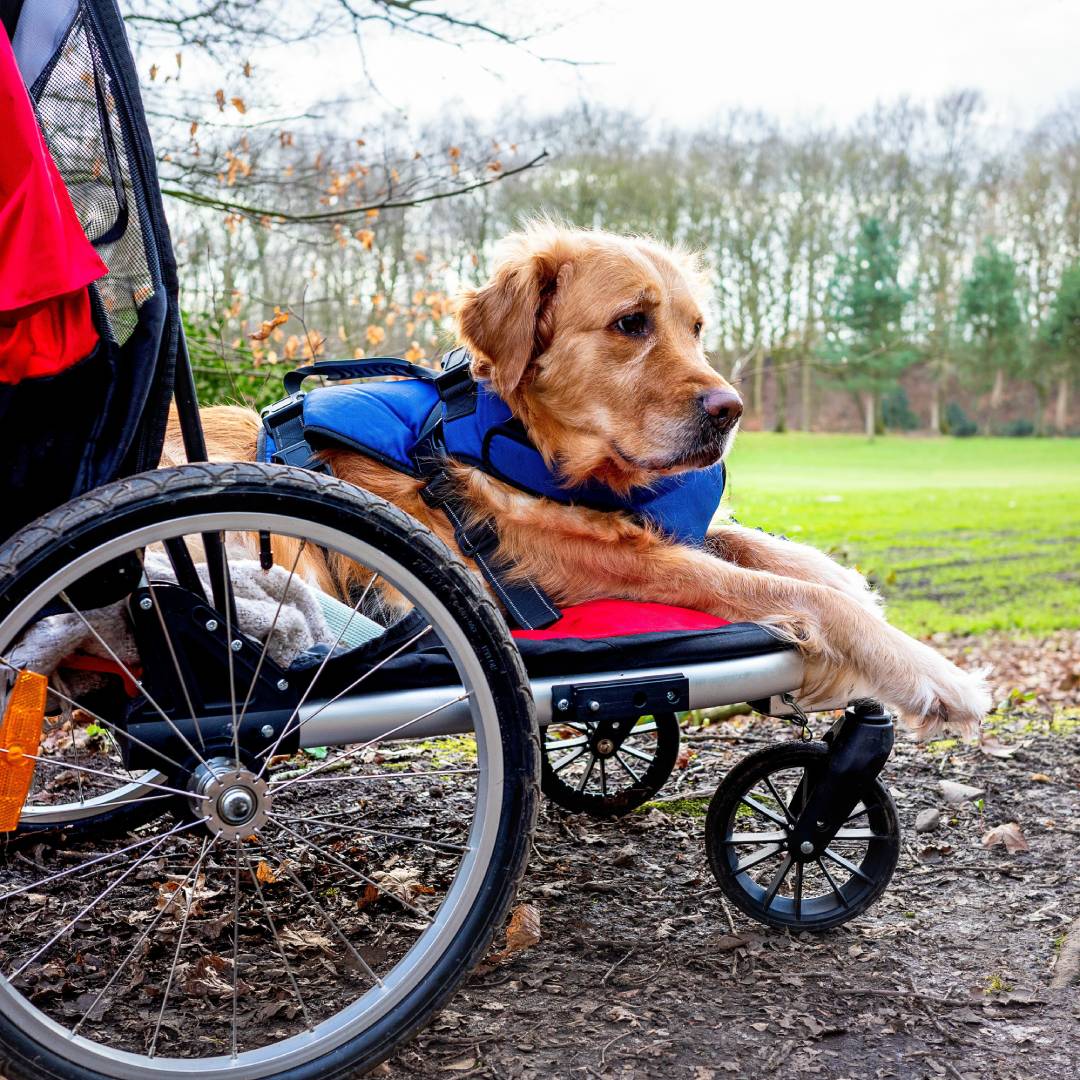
(510, 321)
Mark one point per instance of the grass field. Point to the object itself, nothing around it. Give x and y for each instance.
(959, 534)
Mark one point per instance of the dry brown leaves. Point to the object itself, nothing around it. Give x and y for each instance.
(1009, 835)
(522, 932)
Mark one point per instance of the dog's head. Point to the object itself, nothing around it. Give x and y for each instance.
(594, 341)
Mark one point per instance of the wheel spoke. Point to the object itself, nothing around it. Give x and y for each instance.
(783, 802)
(97, 859)
(296, 725)
(756, 838)
(127, 671)
(603, 779)
(176, 953)
(633, 751)
(849, 866)
(564, 744)
(359, 875)
(207, 844)
(756, 857)
(235, 942)
(764, 811)
(347, 827)
(327, 917)
(568, 760)
(353, 778)
(797, 890)
(89, 907)
(227, 583)
(102, 721)
(858, 834)
(634, 776)
(778, 880)
(829, 878)
(287, 727)
(359, 749)
(172, 651)
(278, 945)
(65, 765)
(588, 772)
(270, 633)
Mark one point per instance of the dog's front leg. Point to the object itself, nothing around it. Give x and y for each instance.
(757, 550)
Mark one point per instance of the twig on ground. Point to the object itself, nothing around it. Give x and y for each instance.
(1068, 962)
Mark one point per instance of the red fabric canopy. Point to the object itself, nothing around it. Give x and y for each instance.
(46, 262)
(616, 618)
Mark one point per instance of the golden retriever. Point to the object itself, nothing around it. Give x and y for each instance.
(594, 341)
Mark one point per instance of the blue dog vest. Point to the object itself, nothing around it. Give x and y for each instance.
(415, 424)
(386, 421)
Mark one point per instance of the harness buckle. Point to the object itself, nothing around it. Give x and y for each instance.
(284, 424)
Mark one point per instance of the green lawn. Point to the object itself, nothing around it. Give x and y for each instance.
(959, 534)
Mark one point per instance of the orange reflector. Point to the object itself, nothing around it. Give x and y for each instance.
(20, 736)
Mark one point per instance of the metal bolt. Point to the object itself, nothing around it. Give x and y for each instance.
(237, 805)
(283, 684)
(267, 730)
(594, 706)
(806, 847)
(236, 645)
(146, 603)
(562, 704)
(605, 747)
(211, 625)
(672, 696)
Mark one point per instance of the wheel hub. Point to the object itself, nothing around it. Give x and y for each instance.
(234, 800)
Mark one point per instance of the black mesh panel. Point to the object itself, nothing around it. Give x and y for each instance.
(78, 114)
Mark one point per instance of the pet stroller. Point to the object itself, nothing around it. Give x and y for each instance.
(254, 830)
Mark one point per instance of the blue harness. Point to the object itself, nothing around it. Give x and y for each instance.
(415, 425)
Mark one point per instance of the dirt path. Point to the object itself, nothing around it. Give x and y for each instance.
(641, 972)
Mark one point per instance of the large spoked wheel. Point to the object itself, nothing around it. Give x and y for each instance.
(591, 767)
(298, 906)
(748, 830)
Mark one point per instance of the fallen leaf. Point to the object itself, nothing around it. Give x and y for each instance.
(1008, 834)
(265, 875)
(522, 932)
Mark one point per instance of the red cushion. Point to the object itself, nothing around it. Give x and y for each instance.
(618, 618)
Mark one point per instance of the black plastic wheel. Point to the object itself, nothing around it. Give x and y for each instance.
(587, 769)
(747, 837)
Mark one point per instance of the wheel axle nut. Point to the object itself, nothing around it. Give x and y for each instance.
(806, 847)
(237, 805)
(146, 603)
(604, 747)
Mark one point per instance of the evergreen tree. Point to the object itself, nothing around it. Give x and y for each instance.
(866, 349)
(989, 313)
(1060, 337)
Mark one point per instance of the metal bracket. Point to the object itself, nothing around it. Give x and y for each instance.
(619, 698)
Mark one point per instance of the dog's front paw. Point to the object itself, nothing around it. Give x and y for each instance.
(952, 701)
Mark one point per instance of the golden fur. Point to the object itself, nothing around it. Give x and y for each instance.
(624, 409)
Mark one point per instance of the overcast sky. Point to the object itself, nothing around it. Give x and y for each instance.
(684, 60)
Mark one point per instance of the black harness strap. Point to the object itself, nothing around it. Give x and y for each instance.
(527, 605)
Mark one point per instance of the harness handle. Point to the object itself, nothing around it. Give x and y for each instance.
(336, 370)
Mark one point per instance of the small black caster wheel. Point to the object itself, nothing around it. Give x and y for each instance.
(747, 836)
(608, 767)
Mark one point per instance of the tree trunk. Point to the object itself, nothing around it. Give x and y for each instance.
(996, 394)
(805, 416)
(780, 375)
(1061, 406)
(935, 410)
(759, 385)
(869, 405)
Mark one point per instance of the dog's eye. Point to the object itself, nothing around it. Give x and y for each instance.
(697, 328)
(635, 325)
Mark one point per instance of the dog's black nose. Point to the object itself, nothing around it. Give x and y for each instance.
(724, 406)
